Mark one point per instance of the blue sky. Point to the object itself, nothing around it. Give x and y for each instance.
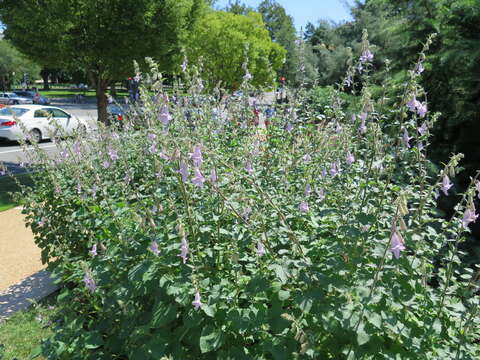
(304, 11)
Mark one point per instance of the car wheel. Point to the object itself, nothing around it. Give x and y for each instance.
(15, 102)
(35, 136)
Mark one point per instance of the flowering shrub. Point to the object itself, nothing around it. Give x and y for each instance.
(197, 235)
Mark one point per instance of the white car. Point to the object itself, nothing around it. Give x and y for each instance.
(39, 121)
(13, 99)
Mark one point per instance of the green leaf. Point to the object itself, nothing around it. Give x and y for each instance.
(362, 336)
(209, 310)
(210, 339)
(93, 340)
(437, 326)
(163, 314)
(283, 295)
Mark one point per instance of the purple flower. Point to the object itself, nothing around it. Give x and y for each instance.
(363, 127)
(308, 190)
(406, 139)
(247, 76)
(164, 116)
(151, 137)
(76, 148)
(196, 156)
(153, 148)
(184, 250)
(93, 250)
(303, 206)
(324, 173)
(420, 146)
(64, 154)
(477, 187)
(422, 109)
(350, 158)
(422, 130)
(184, 170)
(338, 129)
(184, 65)
(79, 188)
(413, 104)
(113, 154)
(321, 194)
(154, 248)
(198, 179)
(419, 68)
(446, 185)
(289, 127)
(213, 176)
(249, 168)
(197, 303)
(334, 170)
(89, 283)
(367, 56)
(469, 216)
(260, 249)
(307, 158)
(106, 164)
(397, 243)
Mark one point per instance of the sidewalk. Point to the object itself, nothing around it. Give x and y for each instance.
(22, 275)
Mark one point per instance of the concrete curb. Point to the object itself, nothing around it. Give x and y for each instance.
(22, 295)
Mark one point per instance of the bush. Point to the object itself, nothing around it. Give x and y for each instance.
(206, 237)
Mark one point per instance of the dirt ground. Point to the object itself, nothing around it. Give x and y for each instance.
(19, 256)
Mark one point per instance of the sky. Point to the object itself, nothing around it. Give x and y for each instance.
(304, 11)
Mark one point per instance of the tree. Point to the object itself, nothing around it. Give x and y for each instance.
(223, 41)
(13, 65)
(102, 37)
(237, 7)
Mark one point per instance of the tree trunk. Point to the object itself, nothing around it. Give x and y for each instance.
(45, 74)
(102, 101)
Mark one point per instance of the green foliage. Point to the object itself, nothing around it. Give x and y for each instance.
(13, 65)
(223, 41)
(10, 185)
(287, 252)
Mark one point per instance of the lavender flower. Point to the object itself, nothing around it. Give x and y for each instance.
(154, 248)
(422, 130)
(183, 170)
(184, 65)
(321, 194)
(413, 104)
(246, 213)
(89, 283)
(164, 115)
(406, 139)
(106, 164)
(477, 187)
(76, 148)
(303, 206)
(289, 127)
(198, 179)
(196, 156)
(307, 158)
(79, 188)
(197, 303)
(247, 76)
(151, 137)
(446, 185)
(184, 250)
(260, 249)
(153, 148)
(367, 56)
(420, 146)
(64, 154)
(419, 68)
(350, 159)
(469, 216)
(363, 127)
(308, 190)
(324, 173)
(113, 154)
(93, 250)
(338, 129)
(397, 243)
(213, 176)
(249, 168)
(422, 109)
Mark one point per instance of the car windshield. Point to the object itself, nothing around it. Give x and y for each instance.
(12, 111)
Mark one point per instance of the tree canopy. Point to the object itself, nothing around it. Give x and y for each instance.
(222, 42)
(102, 37)
(13, 65)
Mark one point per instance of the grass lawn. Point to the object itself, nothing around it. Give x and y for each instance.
(62, 93)
(8, 185)
(24, 331)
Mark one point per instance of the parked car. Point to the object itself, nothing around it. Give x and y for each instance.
(9, 98)
(39, 122)
(35, 96)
